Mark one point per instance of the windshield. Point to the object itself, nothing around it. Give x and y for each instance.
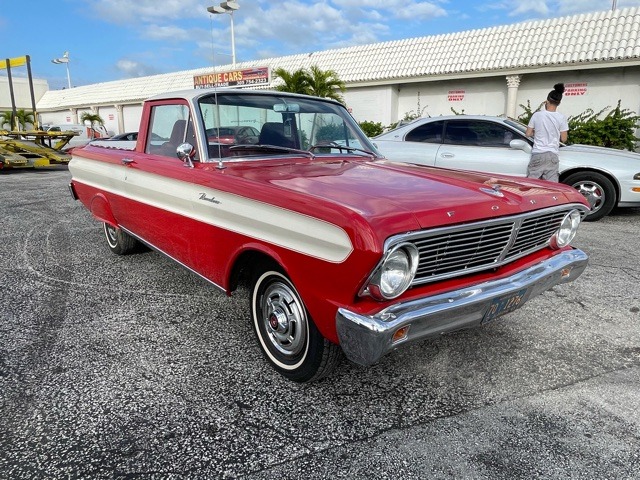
(238, 124)
(517, 125)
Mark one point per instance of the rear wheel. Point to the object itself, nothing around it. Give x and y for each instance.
(597, 189)
(288, 337)
(119, 241)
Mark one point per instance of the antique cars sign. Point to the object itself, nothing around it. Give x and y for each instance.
(233, 78)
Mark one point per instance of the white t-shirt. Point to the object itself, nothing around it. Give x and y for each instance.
(547, 127)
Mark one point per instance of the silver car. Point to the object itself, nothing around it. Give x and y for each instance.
(605, 176)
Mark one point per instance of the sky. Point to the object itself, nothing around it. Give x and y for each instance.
(118, 39)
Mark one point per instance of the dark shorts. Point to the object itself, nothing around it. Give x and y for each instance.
(544, 166)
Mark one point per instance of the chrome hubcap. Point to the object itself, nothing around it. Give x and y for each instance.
(284, 319)
(111, 235)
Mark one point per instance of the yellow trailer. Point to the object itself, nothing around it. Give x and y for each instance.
(39, 148)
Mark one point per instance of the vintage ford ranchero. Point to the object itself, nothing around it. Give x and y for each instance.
(343, 251)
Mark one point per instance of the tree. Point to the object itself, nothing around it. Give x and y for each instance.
(92, 118)
(23, 117)
(314, 81)
(294, 82)
(325, 84)
(5, 119)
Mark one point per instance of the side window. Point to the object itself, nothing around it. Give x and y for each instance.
(478, 132)
(170, 125)
(430, 132)
(461, 132)
(493, 135)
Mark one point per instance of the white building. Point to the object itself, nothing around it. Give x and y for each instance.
(487, 71)
(21, 92)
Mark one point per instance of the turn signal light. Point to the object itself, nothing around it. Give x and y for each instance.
(400, 334)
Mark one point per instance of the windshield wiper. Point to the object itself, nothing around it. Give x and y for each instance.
(345, 148)
(270, 148)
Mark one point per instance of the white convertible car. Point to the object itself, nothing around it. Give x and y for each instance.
(605, 176)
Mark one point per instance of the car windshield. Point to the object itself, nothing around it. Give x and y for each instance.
(253, 124)
(522, 128)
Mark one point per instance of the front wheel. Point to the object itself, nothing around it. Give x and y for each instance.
(119, 241)
(597, 189)
(288, 337)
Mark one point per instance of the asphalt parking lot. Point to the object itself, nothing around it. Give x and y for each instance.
(132, 367)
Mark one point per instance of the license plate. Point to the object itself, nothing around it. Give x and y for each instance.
(502, 305)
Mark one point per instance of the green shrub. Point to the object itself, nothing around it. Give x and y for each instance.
(616, 130)
(371, 129)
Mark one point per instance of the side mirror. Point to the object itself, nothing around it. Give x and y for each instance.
(520, 145)
(186, 152)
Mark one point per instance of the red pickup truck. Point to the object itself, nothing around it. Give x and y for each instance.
(343, 250)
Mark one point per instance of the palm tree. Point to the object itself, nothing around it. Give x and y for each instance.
(315, 81)
(92, 118)
(6, 119)
(294, 82)
(325, 83)
(23, 117)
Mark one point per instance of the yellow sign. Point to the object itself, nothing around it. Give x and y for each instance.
(14, 62)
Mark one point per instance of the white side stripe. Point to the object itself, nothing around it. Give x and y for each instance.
(252, 218)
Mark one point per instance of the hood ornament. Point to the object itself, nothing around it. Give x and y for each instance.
(495, 190)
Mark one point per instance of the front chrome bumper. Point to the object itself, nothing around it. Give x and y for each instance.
(366, 338)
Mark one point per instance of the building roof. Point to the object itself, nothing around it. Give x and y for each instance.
(579, 41)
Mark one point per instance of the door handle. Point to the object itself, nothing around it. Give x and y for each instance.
(447, 155)
(127, 161)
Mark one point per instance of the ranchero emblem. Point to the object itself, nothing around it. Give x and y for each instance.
(494, 190)
(203, 196)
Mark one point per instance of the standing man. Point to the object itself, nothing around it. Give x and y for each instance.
(548, 128)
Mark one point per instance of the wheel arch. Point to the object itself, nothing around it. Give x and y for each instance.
(101, 209)
(614, 181)
(245, 263)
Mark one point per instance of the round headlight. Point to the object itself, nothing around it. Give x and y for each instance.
(396, 272)
(567, 231)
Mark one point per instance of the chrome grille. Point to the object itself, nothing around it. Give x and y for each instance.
(455, 251)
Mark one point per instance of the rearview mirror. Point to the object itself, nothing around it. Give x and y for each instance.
(286, 107)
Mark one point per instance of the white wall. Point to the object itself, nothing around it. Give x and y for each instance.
(373, 104)
(132, 115)
(21, 91)
(473, 96)
(595, 89)
(110, 117)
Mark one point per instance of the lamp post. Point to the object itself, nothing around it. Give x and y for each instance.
(64, 59)
(227, 7)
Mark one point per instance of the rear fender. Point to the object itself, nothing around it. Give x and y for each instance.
(101, 209)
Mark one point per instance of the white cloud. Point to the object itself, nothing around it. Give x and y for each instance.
(131, 68)
(166, 32)
(127, 11)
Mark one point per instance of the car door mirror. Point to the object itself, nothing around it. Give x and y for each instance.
(520, 145)
(186, 152)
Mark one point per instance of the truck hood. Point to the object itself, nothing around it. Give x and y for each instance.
(383, 191)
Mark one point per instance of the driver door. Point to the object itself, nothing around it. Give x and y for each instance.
(482, 146)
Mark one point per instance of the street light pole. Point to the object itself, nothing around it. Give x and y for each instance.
(64, 59)
(227, 7)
